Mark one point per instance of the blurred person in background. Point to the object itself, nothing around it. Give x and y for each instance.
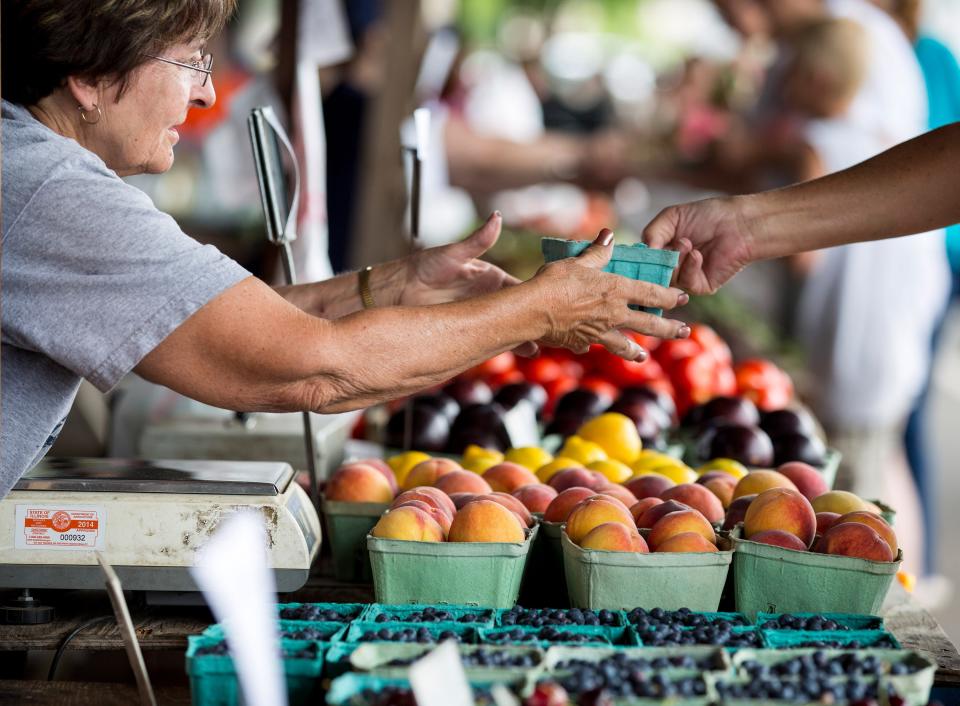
(941, 75)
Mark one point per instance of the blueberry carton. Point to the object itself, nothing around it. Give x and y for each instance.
(826, 639)
(321, 632)
(636, 261)
(370, 690)
(812, 622)
(321, 612)
(485, 662)
(213, 678)
(425, 634)
(486, 574)
(428, 614)
(661, 628)
(623, 580)
(557, 635)
(519, 616)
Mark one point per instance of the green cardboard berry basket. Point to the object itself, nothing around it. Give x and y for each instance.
(624, 580)
(847, 639)
(777, 580)
(709, 616)
(348, 611)
(347, 689)
(484, 574)
(914, 688)
(886, 512)
(213, 679)
(465, 633)
(348, 525)
(853, 621)
(336, 660)
(636, 261)
(402, 613)
(498, 619)
(375, 658)
(720, 660)
(604, 636)
(330, 631)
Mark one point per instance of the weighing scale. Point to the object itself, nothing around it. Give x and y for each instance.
(149, 519)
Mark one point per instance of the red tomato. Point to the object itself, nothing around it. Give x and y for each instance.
(625, 373)
(725, 382)
(496, 365)
(505, 378)
(675, 349)
(573, 368)
(540, 370)
(764, 383)
(648, 342)
(695, 376)
(710, 341)
(602, 387)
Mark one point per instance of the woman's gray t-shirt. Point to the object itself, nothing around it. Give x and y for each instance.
(94, 277)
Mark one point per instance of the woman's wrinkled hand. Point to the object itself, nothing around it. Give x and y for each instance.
(585, 305)
(712, 236)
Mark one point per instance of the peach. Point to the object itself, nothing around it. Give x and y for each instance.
(560, 507)
(595, 511)
(857, 540)
(783, 509)
(536, 498)
(409, 523)
(652, 515)
(756, 482)
(358, 483)
(461, 499)
(573, 478)
(723, 491)
(614, 537)
(680, 522)
(878, 524)
(620, 493)
(485, 521)
(600, 481)
(698, 497)
(718, 475)
(649, 485)
(427, 472)
(686, 542)
(838, 501)
(779, 538)
(441, 516)
(826, 520)
(737, 511)
(431, 496)
(641, 506)
(381, 466)
(809, 480)
(462, 482)
(506, 477)
(512, 504)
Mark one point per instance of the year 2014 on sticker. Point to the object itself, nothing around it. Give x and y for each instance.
(60, 527)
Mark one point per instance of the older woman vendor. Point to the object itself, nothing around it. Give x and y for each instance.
(97, 282)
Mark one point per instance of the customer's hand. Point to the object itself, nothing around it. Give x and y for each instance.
(585, 305)
(713, 237)
(452, 272)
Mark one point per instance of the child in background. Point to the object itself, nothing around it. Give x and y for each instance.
(866, 311)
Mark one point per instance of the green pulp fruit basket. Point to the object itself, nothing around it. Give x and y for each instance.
(777, 580)
(605, 636)
(377, 612)
(465, 633)
(348, 525)
(328, 631)
(346, 612)
(484, 574)
(846, 639)
(635, 261)
(848, 621)
(625, 580)
(377, 659)
(213, 679)
(348, 690)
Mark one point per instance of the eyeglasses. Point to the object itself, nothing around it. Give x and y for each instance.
(204, 66)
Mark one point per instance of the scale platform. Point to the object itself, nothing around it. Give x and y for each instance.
(149, 519)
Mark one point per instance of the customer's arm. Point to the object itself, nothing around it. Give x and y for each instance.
(249, 349)
(910, 188)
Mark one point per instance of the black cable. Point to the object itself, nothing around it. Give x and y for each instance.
(66, 641)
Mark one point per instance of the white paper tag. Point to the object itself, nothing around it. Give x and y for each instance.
(521, 425)
(438, 678)
(60, 527)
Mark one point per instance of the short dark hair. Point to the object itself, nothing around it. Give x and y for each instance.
(45, 41)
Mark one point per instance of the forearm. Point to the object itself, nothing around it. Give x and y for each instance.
(340, 295)
(910, 188)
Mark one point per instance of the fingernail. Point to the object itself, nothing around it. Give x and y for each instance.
(683, 299)
(497, 214)
(683, 332)
(606, 237)
(642, 356)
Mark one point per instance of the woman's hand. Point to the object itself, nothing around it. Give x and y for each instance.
(712, 236)
(585, 305)
(452, 272)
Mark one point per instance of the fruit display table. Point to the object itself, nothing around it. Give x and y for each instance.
(163, 632)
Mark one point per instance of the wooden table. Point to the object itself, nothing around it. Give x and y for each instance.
(166, 628)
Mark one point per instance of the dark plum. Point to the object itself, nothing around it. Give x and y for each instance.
(480, 424)
(787, 421)
(798, 447)
(430, 429)
(468, 391)
(749, 445)
(445, 403)
(582, 403)
(508, 395)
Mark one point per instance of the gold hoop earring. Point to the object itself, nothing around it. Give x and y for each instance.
(83, 114)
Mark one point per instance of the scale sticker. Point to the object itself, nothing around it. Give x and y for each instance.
(68, 527)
